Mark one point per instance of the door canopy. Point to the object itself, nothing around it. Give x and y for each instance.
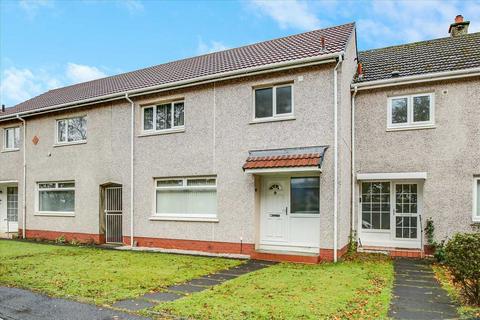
(288, 159)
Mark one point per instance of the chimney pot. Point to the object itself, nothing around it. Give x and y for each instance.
(3, 108)
(322, 42)
(459, 18)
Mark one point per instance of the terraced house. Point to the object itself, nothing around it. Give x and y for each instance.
(279, 150)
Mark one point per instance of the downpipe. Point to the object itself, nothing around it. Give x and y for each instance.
(24, 187)
(335, 179)
(132, 140)
(353, 186)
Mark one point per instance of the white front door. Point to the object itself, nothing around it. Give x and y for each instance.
(290, 214)
(275, 211)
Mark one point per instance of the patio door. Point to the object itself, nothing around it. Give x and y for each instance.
(390, 214)
(12, 209)
(113, 215)
(406, 211)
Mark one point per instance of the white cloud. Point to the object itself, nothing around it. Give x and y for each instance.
(81, 73)
(132, 5)
(213, 46)
(408, 21)
(289, 13)
(18, 85)
(31, 7)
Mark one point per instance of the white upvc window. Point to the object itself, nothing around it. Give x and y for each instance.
(411, 111)
(476, 199)
(11, 139)
(165, 117)
(189, 198)
(71, 131)
(56, 198)
(273, 102)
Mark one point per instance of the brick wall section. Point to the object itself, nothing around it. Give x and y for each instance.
(69, 236)
(194, 245)
(327, 254)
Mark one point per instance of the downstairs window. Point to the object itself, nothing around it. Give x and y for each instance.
(56, 197)
(186, 197)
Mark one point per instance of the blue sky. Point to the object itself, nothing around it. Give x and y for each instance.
(46, 44)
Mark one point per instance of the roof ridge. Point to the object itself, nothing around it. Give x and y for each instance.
(204, 55)
(422, 41)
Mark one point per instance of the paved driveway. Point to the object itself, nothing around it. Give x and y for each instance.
(21, 304)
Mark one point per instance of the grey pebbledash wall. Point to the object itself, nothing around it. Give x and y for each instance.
(449, 153)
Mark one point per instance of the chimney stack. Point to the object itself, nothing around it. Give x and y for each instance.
(459, 27)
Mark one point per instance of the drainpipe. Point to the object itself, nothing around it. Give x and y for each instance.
(353, 159)
(335, 178)
(132, 140)
(24, 195)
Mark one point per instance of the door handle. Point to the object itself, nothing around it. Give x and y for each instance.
(275, 215)
(286, 211)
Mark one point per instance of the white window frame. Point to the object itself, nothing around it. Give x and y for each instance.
(66, 142)
(173, 128)
(183, 216)
(6, 148)
(410, 123)
(475, 216)
(56, 188)
(275, 116)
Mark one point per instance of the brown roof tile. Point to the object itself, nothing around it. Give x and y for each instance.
(285, 158)
(284, 49)
(444, 54)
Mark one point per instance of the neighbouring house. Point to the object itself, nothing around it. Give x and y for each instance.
(280, 150)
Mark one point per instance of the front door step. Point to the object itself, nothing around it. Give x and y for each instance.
(286, 256)
(393, 252)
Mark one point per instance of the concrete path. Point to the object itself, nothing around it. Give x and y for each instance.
(417, 294)
(18, 304)
(179, 291)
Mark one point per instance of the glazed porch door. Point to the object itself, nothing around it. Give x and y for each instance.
(406, 212)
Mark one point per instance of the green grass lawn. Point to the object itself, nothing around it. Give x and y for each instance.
(357, 289)
(466, 312)
(96, 275)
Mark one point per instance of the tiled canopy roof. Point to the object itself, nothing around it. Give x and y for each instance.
(306, 45)
(285, 158)
(445, 54)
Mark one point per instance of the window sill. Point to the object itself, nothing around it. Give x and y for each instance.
(418, 127)
(263, 120)
(183, 218)
(160, 132)
(376, 230)
(55, 214)
(10, 150)
(56, 145)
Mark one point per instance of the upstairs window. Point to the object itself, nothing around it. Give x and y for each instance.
(73, 130)
(274, 102)
(411, 111)
(164, 117)
(11, 138)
